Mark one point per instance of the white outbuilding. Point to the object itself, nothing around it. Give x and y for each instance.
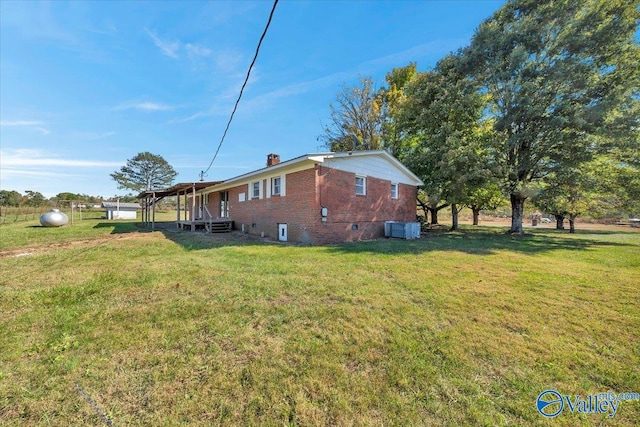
(121, 210)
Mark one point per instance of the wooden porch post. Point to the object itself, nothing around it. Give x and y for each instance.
(178, 210)
(186, 207)
(193, 208)
(153, 220)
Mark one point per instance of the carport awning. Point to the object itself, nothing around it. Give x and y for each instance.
(180, 188)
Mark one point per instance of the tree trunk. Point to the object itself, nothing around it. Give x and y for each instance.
(454, 217)
(559, 222)
(517, 211)
(424, 207)
(476, 215)
(433, 212)
(572, 225)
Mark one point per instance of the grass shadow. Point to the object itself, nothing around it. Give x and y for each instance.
(201, 240)
(480, 242)
(470, 240)
(121, 227)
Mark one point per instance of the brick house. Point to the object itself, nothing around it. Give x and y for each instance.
(317, 198)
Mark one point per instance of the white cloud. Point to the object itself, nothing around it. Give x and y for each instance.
(144, 106)
(21, 123)
(37, 125)
(228, 61)
(364, 68)
(195, 50)
(170, 49)
(35, 158)
(173, 48)
(331, 80)
(8, 173)
(95, 135)
(436, 47)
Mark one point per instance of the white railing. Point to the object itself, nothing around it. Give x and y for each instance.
(209, 218)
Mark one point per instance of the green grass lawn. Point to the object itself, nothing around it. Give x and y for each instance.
(107, 323)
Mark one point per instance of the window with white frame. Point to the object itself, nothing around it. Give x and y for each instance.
(276, 185)
(361, 185)
(224, 204)
(394, 190)
(255, 190)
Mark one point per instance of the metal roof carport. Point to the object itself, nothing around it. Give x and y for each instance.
(151, 197)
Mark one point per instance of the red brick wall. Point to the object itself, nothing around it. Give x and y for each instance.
(346, 210)
(300, 207)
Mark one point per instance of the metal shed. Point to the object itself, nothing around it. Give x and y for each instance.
(121, 210)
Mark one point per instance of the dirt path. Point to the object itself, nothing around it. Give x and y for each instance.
(43, 248)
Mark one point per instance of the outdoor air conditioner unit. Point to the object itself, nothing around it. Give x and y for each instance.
(402, 230)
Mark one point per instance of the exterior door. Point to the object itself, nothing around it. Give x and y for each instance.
(282, 232)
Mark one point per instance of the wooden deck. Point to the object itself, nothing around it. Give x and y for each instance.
(213, 226)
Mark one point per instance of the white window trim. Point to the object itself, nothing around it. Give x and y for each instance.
(364, 185)
(251, 188)
(397, 187)
(283, 185)
(273, 180)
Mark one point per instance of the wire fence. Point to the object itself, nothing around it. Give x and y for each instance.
(12, 215)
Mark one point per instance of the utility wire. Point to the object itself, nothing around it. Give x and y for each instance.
(264, 33)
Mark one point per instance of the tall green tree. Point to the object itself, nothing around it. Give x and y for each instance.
(10, 198)
(393, 96)
(488, 196)
(567, 193)
(145, 171)
(69, 196)
(34, 198)
(441, 116)
(555, 72)
(357, 119)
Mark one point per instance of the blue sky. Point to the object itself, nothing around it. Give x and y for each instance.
(84, 86)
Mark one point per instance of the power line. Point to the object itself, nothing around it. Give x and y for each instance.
(264, 33)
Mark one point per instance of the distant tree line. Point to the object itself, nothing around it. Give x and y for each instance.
(11, 198)
(543, 105)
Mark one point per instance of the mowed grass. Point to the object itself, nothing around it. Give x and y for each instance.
(107, 323)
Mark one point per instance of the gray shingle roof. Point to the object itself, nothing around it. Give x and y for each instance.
(121, 204)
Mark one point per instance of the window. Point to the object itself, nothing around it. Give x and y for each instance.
(241, 197)
(394, 190)
(275, 186)
(224, 204)
(255, 190)
(361, 185)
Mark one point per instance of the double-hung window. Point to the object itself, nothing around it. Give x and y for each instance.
(275, 186)
(361, 185)
(394, 190)
(255, 190)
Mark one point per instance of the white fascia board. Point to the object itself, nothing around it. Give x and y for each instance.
(297, 164)
(410, 177)
(307, 161)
